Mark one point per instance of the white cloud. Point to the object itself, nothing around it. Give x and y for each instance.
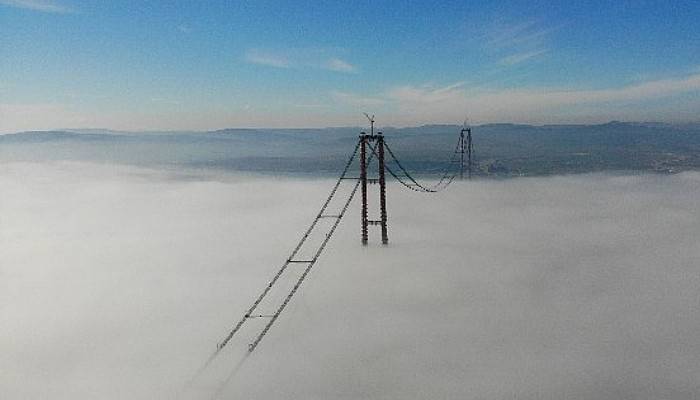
(47, 6)
(299, 58)
(526, 33)
(517, 58)
(336, 64)
(427, 103)
(516, 43)
(405, 105)
(501, 34)
(424, 94)
(269, 59)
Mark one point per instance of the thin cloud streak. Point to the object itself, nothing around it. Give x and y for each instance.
(519, 42)
(513, 34)
(299, 58)
(451, 102)
(405, 105)
(336, 64)
(521, 57)
(46, 6)
(268, 59)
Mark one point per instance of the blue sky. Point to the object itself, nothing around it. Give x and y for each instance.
(208, 65)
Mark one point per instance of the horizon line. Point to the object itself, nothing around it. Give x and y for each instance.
(75, 130)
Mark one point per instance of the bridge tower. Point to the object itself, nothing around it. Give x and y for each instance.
(378, 149)
(465, 141)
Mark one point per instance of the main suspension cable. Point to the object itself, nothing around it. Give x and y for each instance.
(446, 179)
(405, 179)
(249, 313)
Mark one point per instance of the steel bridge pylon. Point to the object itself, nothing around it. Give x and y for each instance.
(371, 147)
(365, 141)
(465, 146)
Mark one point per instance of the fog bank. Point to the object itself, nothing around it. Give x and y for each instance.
(117, 282)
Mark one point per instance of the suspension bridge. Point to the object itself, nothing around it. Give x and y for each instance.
(376, 158)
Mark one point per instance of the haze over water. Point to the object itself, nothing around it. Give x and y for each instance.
(117, 282)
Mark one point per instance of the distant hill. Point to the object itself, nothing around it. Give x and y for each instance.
(500, 149)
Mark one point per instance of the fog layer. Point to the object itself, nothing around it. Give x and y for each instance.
(117, 283)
